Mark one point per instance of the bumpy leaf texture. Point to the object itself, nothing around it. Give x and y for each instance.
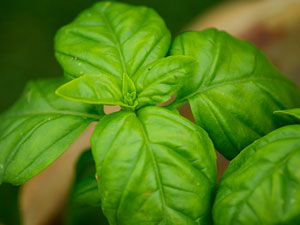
(38, 129)
(113, 47)
(112, 38)
(262, 184)
(154, 167)
(235, 91)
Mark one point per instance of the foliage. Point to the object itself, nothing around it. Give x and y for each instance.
(262, 184)
(153, 166)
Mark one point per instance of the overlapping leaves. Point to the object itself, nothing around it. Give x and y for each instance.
(262, 184)
(115, 47)
(156, 168)
(235, 91)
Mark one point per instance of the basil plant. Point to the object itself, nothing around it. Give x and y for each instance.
(153, 166)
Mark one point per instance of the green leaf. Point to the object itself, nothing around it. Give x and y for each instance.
(154, 167)
(292, 112)
(93, 89)
(38, 129)
(235, 91)
(157, 82)
(84, 204)
(105, 90)
(262, 184)
(154, 84)
(111, 38)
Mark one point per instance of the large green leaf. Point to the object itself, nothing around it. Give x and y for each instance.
(262, 184)
(38, 129)
(153, 167)
(84, 203)
(111, 38)
(236, 90)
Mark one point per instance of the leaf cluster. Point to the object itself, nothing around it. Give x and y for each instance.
(152, 165)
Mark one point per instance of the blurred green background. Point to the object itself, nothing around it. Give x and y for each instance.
(27, 29)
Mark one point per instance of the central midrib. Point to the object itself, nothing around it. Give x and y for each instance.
(156, 169)
(108, 24)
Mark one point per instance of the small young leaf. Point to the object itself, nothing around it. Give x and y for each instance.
(38, 129)
(235, 91)
(93, 89)
(129, 91)
(154, 167)
(262, 184)
(112, 38)
(292, 112)
(157, 82)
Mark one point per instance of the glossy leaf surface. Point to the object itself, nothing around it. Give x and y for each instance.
(111, 38)
(154, 167)
(93, 89)
(38, 129)
(122, 45)
(154, 84)
(262, 184)
(157, 82)
(236, 89)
